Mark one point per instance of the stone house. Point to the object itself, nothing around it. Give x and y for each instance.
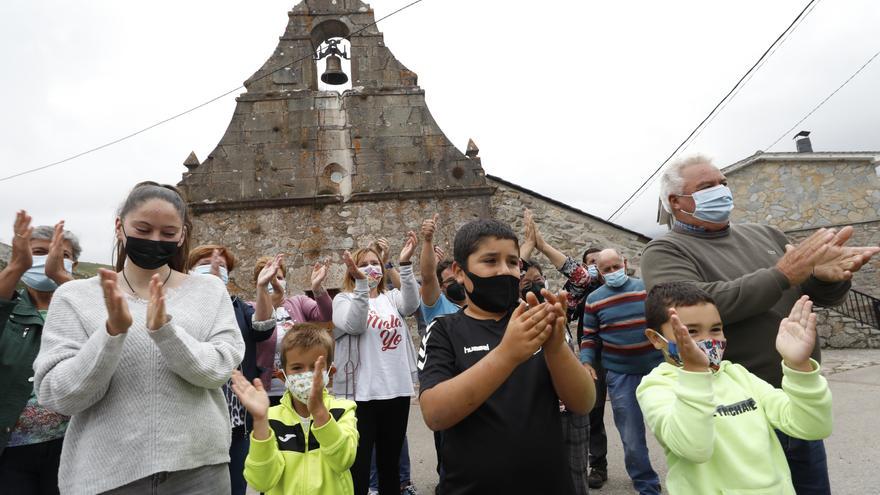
(311, 172)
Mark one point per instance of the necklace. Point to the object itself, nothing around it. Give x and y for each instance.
(134, 292)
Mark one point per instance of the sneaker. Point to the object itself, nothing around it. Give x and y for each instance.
(408, 489)
(597, 477)
(372, 492)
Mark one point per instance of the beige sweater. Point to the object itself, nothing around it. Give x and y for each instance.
(141, 402)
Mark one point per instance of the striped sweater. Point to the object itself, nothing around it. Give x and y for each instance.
(614, 330)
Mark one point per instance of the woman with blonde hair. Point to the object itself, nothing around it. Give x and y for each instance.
(373, 342)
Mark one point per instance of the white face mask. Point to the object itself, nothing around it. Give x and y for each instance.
(282, 283)
(300, 384)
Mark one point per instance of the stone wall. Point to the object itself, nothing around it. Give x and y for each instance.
(567, 229)
(307, 234)
(793, 195)
(838, 332)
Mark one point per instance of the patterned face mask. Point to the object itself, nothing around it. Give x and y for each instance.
(713, 348)
(374, 275)
(300, 384)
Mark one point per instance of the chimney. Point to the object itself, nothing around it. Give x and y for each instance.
(802, 141)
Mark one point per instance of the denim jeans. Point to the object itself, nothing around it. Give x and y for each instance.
(631, 426)
(405, 475)
(808, 465)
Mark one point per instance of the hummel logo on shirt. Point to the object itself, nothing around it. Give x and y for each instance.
(477, 348)
(286, 437)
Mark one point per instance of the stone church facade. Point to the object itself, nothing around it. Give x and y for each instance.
(312, 173)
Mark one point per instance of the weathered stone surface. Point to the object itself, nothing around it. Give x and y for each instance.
(839, 332)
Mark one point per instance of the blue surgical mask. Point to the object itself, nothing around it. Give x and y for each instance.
(712, 205)
(616, 279)
(593, 271)
(36, 278)
(206, 270)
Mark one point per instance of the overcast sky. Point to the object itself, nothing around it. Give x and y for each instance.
(578, 100)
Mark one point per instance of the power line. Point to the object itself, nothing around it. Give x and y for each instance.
(717, 106)
(192, 109)
(817, 107)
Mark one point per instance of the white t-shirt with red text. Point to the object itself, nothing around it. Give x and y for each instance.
(384, 369)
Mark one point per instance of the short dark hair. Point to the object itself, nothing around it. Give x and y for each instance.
(589, 252)
(469, 236)
(532, 264)
(440, 267)
(668, 295)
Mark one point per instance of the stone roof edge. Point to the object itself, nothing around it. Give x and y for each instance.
(494, 178)
(793, 156)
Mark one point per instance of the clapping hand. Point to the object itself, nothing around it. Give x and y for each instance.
(316, 398)
(268, 274)
(429, 228)
(409, 247)
(118, 316)
(527, 331)
(439, 254)
(797, 336)
(253, 397)
(319, 273)
(693, 358)
(557, 303)
(156, 316)
(839, 261)
(381, 246)
(22, 258)
(55, 259)
(352, 268)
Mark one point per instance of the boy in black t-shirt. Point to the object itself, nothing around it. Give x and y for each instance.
(492, 375)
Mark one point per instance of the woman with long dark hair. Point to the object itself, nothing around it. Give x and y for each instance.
(137, 357)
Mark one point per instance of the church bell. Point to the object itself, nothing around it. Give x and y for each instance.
(333, 73)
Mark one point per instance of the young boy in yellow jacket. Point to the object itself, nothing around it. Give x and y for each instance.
(716, 420)
(307, 443)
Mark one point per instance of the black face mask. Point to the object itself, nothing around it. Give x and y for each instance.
(497, 294)
(149, 254)
(536, 288)
(455, 292)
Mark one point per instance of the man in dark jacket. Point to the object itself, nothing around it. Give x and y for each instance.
(30, 435)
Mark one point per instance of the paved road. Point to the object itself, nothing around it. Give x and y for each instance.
(853, 449)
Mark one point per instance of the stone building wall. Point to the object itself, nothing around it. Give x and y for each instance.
(307, 234)
(801, 197)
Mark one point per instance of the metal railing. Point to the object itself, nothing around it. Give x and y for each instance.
(861, 307)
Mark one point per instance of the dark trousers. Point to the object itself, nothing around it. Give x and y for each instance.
(31, 469)
(381, 424)
(238, 451)
(598, 439)
(808, 465)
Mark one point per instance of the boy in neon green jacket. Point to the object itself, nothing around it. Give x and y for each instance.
(307, 443)
(716, 420)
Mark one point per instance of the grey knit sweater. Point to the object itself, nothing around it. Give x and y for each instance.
(141, 402)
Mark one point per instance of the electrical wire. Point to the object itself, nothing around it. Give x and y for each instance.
(791, 27)
(192, 109)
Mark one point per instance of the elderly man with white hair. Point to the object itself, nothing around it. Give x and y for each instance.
(755, 276)
(31, 436)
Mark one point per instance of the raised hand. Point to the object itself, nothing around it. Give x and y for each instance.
(268, 274)
(409, 246)
(693, 358)
(253, 397)
(156, 316)
(797, 335)
(527, 331)
(319, 273)
(22, 258)
(118, 316)
(840, 262)
(381, 246)
(351, 267)
(531, 230)
(556, 303)
(439, 254)
(215, 263)
(316, 398)
(429, 227)
(798, 262)
(55, 259)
